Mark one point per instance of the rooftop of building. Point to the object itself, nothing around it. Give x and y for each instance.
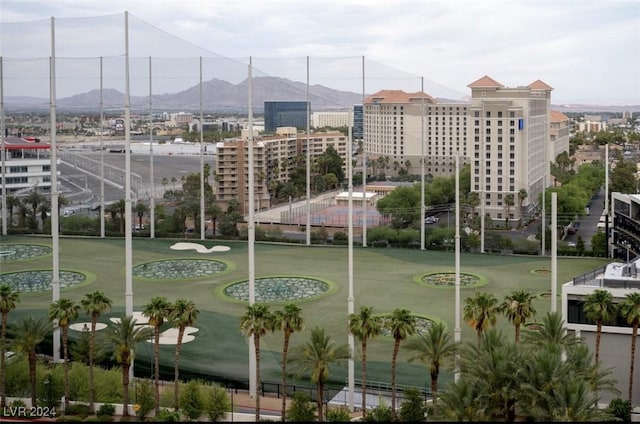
(616, 275)
(20, 143)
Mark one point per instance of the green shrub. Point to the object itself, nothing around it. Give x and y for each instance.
(166, 396)
(191, 402)
(301, 409)
(106, 410)
(380, 414)
(145, 397)
(413, 407)
(78, 409)
(216, 403)
(50, 389)
(621, 409)
(79, 382)
(166, 415)
(108, 385)
(17, 378)
(338, 415)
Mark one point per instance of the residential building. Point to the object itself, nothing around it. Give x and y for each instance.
(180, 119)
(273, 156)
(505, 133)
(27, 166)
(330, 119)
(358, 122)
(559, 134)
(285, 114)
(618, 278)
(625, 234)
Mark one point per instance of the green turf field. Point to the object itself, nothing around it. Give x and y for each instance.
(383, 278)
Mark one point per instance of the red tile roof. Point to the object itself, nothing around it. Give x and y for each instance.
(539, 85)
(485, 82)
(397, 96)
(558, 116)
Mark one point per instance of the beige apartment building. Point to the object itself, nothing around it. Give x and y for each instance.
(506, 134)
(510, 145)
(272, 161)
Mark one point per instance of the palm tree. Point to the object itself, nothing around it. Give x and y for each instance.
(12, 202)
(432, 349)
(550, 331)
(401, 324)
(255, 323)
(124, 336)
(27, 334)
(522, 195)
(508, 202)
(8, 300)
(64, 311)
(141, 209)
(289, 320)
(156, 311)
(94, 304)
(517, 307)
(183, 314)
(481, 311)
(630, 311)
(599, 307)
(364, 326)
(315, 358)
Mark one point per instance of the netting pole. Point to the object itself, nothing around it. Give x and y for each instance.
(127, 185)
(253, 388)
(2, 152)
(55, 235)
(202, 217)
(351, 298)
(308, 162)
(152, 195)
(422, 207)
(102, 223)
(364, 171)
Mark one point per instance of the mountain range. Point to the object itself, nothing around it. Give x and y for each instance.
(223, 96)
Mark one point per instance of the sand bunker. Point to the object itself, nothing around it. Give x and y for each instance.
(86, 326)
(167, 337)
(199, 248)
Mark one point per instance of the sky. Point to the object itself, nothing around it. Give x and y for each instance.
(588, 51)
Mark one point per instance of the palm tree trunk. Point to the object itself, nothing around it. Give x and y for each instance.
(633, 359)
(65, 354)
(598, 333)
(394, 358)
(518, 333)
(176, 367)
(434, 385)
(3, 366)
(364, 377)
(92, 343)
(320, 399)
(32, 377)
(256, 344)
(125, 389)
(156, 360)
(285, 350)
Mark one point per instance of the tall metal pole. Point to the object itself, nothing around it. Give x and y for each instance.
(308, 161)
(128, 294)
(422, 206)
(55, 234)
(554, 250)
(457, 330)
(202, 230)
(606, 199)
(102, 223)
(152, 188)
(364, 172)
(544, 216)
(351, 298)
(253, 389)
(482, 183)
(3, 152)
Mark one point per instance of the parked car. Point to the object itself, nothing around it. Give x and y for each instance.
(431, 220)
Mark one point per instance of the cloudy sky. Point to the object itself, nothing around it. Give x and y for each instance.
(588, 51)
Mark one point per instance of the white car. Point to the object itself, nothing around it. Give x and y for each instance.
(431, 220)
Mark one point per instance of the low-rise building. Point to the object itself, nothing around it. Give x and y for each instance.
(27, 166)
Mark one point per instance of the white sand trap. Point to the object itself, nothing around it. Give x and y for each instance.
(199, 248)
(140, 319)
(79, 326)
(170, 336)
